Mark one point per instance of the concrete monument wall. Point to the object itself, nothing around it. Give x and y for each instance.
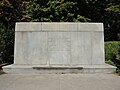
(50, 48)
(68, 44)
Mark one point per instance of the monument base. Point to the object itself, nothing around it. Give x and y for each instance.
(39, 69)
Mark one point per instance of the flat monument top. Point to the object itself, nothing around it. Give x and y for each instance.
(58, 26)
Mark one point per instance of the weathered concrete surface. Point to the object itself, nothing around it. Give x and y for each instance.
(60, 82)
(45, 43)
(32, 69)
(59, 44)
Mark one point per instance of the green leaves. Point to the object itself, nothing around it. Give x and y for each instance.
(54, 11)
(12, 11)
(111, 50)
(113, 11)
(6, 44)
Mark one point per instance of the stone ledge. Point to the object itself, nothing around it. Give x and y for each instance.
(38, 69)
(57, 27)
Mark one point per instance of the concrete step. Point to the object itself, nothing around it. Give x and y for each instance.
(40, 69)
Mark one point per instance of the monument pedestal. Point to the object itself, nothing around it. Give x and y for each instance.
(57, 47)
(38, 69)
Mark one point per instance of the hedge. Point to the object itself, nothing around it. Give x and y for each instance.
(111, 50)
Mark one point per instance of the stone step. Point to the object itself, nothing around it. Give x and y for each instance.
(38, 69)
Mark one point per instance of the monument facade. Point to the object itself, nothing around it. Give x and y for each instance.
(59, 47)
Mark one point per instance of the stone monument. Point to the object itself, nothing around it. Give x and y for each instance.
(44, 47)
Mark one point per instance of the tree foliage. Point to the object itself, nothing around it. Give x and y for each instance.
(113, 11)
(11, 11)
(54, 11)
(6, 44)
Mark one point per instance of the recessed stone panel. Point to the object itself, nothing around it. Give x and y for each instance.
(37, 47)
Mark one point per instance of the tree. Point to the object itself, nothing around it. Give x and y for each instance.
(12, 11)
(54, 11)
(114, 20)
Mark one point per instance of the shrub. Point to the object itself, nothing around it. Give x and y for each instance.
(112, 53)
(6, 44)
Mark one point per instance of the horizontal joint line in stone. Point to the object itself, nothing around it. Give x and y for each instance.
(58, 31)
